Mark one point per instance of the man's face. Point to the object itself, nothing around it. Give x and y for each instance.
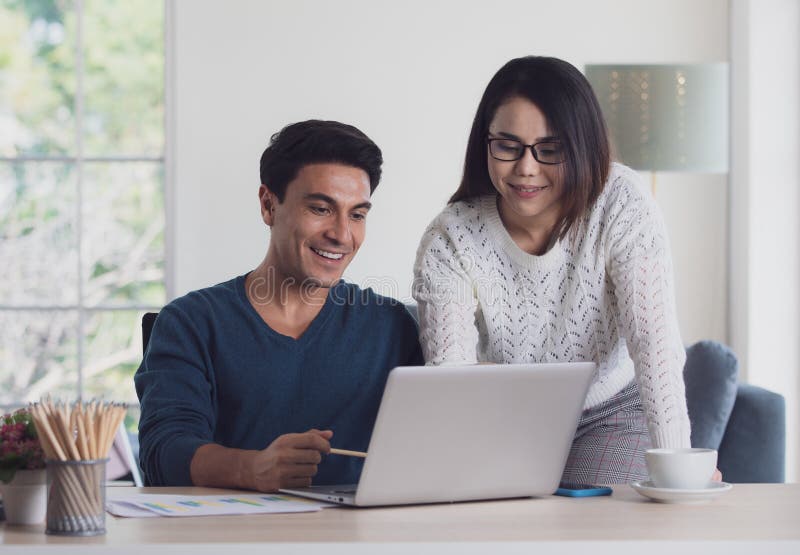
(320, 225)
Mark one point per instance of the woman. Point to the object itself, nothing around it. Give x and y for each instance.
(548, 252)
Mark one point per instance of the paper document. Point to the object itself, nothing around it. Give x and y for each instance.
(152, 504)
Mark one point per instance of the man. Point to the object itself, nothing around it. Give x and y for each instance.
(248, 383)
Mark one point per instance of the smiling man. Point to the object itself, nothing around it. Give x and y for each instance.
(247, 384)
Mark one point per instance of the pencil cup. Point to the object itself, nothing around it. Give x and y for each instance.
(76, 497)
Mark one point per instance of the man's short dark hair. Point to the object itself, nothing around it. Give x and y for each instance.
(317, 142)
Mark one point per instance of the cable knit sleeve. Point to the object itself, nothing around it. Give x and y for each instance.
(640, 267)
(447, 303)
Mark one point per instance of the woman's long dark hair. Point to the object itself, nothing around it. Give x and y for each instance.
(573, 115)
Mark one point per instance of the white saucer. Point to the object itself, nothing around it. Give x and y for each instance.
(667, 495)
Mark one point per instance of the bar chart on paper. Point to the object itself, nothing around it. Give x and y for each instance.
(154, 505)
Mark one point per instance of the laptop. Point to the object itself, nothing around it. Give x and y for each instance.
(122, 468)
(464, 433)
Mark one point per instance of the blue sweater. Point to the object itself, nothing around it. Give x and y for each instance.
(214, 371)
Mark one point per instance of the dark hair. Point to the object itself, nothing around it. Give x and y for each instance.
(317, 142)
(573, 114)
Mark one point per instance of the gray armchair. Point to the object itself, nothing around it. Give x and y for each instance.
(745, 423)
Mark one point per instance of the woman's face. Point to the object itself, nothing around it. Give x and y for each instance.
(530, 192)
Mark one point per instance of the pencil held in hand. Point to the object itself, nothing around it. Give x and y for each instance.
(347, 453)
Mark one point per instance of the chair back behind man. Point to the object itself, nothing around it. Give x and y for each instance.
(148, 320)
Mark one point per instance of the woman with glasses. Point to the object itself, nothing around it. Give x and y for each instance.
(549, 252)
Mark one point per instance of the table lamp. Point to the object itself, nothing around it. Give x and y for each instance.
(665, 117)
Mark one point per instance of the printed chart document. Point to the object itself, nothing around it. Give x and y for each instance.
(151, 504)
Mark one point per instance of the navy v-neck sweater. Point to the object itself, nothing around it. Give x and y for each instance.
(214, 371)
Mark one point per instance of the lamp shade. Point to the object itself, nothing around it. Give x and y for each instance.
(666, 117)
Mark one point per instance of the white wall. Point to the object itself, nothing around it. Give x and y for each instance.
(765, 194)
(410, 75)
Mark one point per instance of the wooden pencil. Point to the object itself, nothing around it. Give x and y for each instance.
(77, 432)
(348, 453)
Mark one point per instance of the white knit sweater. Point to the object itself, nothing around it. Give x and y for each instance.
(604, 294)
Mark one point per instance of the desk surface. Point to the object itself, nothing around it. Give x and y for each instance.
(761, 516)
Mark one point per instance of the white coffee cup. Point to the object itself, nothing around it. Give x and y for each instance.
(688, 468)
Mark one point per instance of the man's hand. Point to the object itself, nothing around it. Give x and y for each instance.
(717, 477)
(288, 462)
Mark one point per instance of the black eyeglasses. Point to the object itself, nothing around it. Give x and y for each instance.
(510, 150)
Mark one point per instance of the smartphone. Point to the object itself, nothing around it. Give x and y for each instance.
(581, 490)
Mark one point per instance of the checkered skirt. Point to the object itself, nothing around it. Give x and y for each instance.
(610, 442)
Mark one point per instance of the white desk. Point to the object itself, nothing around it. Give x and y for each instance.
(751, 519)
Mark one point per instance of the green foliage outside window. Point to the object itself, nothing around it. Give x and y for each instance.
(81, 193)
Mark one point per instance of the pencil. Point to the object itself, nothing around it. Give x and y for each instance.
(347, 453)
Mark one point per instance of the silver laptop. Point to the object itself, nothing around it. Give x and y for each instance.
(460, 433)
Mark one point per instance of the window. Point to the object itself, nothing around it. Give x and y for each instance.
(81, 194)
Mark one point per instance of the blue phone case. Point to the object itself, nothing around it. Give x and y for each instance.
(582, 490)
